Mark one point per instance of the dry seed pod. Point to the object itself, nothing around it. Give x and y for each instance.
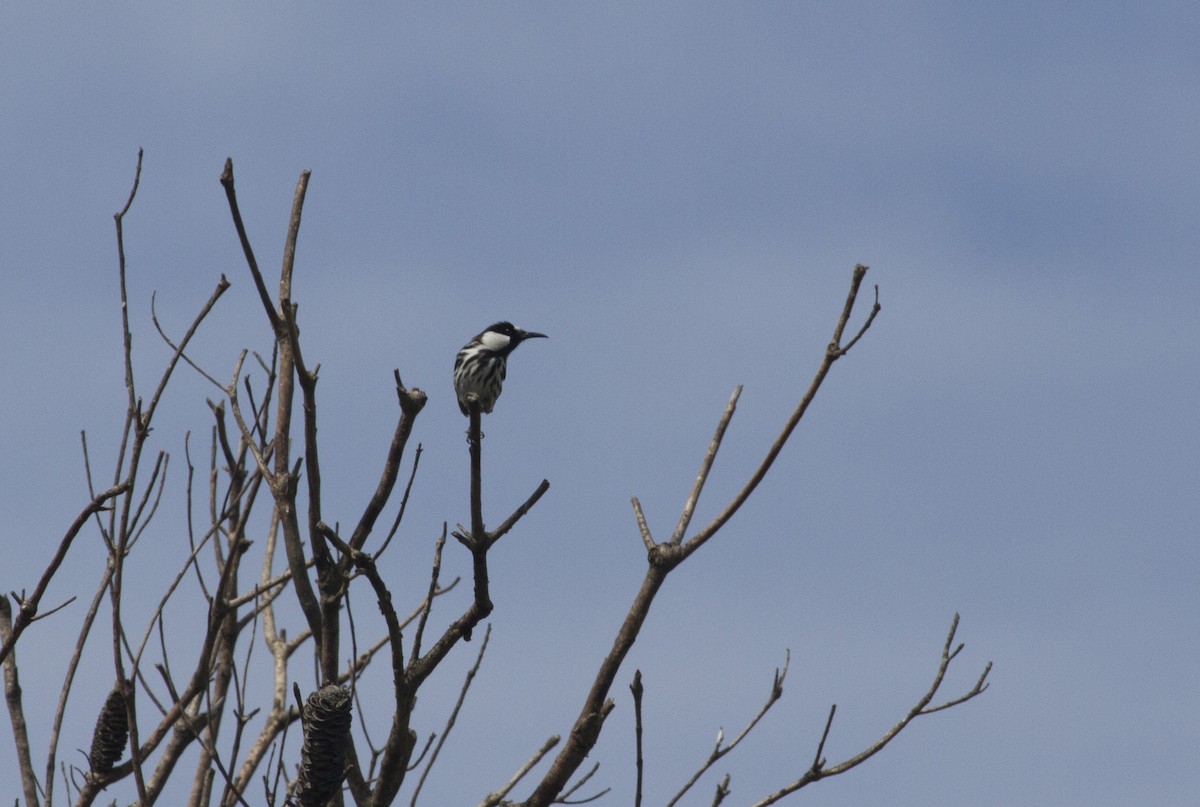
(323, 755)
(111, 733)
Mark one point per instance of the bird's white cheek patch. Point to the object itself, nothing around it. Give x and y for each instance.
(494, 341)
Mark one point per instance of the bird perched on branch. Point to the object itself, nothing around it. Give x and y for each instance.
(482, 363)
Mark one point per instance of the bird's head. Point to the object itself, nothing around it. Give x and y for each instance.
(503, 337)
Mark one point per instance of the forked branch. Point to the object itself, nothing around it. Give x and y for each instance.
(818, 769)
(720, 749)
(665, 556)
(28, 606)
(833, 352)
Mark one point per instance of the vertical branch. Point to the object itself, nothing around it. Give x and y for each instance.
(289, 246)
(479, 538)
(427, 606)
(330, 578)
(16, 712)
(140, 428)
(283, 481)
(126, 333)
(475, 440)
(637, 689)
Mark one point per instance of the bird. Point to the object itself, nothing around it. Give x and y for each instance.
(481, 365)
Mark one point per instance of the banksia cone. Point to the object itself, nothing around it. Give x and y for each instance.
(111, 734)
(323, 755)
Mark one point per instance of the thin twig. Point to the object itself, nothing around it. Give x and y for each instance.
(416, 763)
(720, 750)
(833, 352)
(637, 690)
(662, 558)
(29, 606)
(722, 791)
(818, 770)
(710, 455)
(158, 327)
(494, 798)
(434, 573)
(643, 528)
(411, 403)
(125, 331)
(222, 285)
(462, 696)
(508, 523)
(819, 757)
(60, 710)
(403, 503)
(231, 195)
(158, 474)
(565, 798)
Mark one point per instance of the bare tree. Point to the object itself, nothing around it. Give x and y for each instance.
(257, 454)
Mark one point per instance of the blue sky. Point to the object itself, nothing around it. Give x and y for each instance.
(677, 196)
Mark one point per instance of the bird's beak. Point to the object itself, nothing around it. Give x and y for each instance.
(533, 335)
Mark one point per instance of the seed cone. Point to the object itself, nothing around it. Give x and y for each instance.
(323, 755)
(111, 733)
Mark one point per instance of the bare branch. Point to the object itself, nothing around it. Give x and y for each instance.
(526, 506)
(496, 797)
(818, 770)
(262, 454)
(158, 327)
(832, 353)
(462, 696)
(819, 757)
(401, 739)
(85, 629)
(403, 503)
(284, 480)
(720, 750)
(643, 528)
(411, 404)
(282, 484)
(16, 711)
(474, 441)
(263, 295)
(637, 690)
(980, 685)
(366, 564)
(125, 331)
(722, 791)
(662, 559)
(860, 271)
(428, 745)
(435, 572)
(29, 606)
(222, 285)
(565, 798)
(158, 474)
(709, 456)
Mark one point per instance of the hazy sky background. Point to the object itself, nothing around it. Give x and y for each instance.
(677, 195)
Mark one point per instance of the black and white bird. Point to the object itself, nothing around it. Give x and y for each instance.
(482, 363)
